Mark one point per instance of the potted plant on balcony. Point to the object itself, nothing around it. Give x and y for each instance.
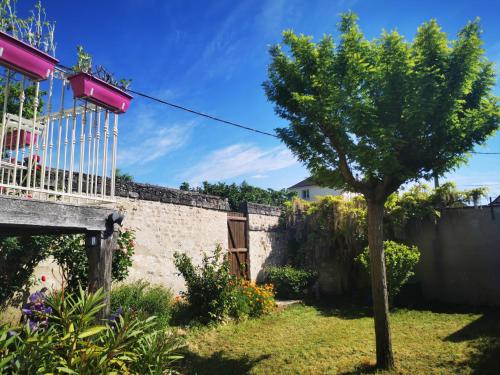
(26, 45)
(100, 87)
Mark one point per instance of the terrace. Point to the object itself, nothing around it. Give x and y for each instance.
(58, 148)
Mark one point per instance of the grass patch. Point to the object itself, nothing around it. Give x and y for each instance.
(309, 340)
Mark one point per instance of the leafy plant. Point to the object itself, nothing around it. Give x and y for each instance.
(74, 343)
(400, 261)
(251, 299)
(290, 282)
(371, 115)
(35, 30)
(238, 194)
(18, 258)
(84, 64)
(208, 286)
(68, 252)
(143, 300)
(20, 255)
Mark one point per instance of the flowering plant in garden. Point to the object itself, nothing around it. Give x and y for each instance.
(36, 311)
(122, 259)
(258, 299)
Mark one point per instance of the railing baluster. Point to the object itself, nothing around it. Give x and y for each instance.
(59, 134)
(22, 97)
(6, 93)
(72, 150)
(33, 136)
(105, 154)
(89, 154)
(66, 126)
(113, 155)
(46, 134)
(82, 149)
(98, 147)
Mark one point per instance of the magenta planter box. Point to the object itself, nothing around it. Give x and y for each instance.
(10, 139)
(25, 59)
(95, 90)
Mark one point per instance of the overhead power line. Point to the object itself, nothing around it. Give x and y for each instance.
(236, 124)
(227, 122)
(203, 114)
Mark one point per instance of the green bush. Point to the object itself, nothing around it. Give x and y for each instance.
(400, 261)
(209, 286)
(20, 255)
(143, 300)
(290, 282)
(71, 341)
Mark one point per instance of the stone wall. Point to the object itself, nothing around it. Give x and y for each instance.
(167, 220)
(163, 228)
(266, 238)
(460, 256)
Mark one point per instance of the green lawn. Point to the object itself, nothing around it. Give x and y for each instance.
(308, 340)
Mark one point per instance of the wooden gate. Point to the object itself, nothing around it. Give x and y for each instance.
(238, 244)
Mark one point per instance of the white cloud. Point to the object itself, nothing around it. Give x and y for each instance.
(239, 160)
(156, 143)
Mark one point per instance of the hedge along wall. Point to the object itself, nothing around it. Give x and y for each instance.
(167, 220)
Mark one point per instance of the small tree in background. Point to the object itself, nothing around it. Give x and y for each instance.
(368, 116)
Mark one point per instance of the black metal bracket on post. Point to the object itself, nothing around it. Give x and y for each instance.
(112, 219)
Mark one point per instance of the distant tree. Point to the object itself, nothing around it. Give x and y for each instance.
(238, 194)
(185, 186)
(124, 176)
(370, 115)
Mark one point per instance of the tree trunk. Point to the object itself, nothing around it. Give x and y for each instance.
(385, 359)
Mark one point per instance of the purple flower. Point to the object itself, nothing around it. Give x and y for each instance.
(35, 310)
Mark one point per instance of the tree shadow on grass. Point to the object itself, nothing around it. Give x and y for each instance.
(362, 369)
(342, 307)
(484, 337)
(219, 364)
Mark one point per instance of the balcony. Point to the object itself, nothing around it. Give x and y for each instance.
(55, 146)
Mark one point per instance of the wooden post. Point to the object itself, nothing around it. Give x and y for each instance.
(100, 247)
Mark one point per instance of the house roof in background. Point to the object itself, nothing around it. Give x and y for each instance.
(496, 201)
(307, 182)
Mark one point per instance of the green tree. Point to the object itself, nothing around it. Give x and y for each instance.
(238, 194)
(371, 115)
(124, 176)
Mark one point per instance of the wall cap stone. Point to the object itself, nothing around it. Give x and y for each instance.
(262, 209)
(155, 193)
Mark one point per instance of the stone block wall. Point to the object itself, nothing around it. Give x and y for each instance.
(167, 220)
(163, 228)
(266, 239)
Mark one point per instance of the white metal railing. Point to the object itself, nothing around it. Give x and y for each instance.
(62, 155)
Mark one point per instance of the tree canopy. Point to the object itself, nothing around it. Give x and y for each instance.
(244, 192)
(370, 115)
(384, 111)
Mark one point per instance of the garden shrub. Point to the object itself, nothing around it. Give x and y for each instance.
(290, 282)
(143, 300)
(400, 261)
(71, 341)
(20, 255)
(213, 294)
(209, 286)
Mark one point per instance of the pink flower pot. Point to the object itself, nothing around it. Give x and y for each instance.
(25, 59)
(10, 139)
(95, 90)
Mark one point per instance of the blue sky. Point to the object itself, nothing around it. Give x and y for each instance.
(212, 56)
